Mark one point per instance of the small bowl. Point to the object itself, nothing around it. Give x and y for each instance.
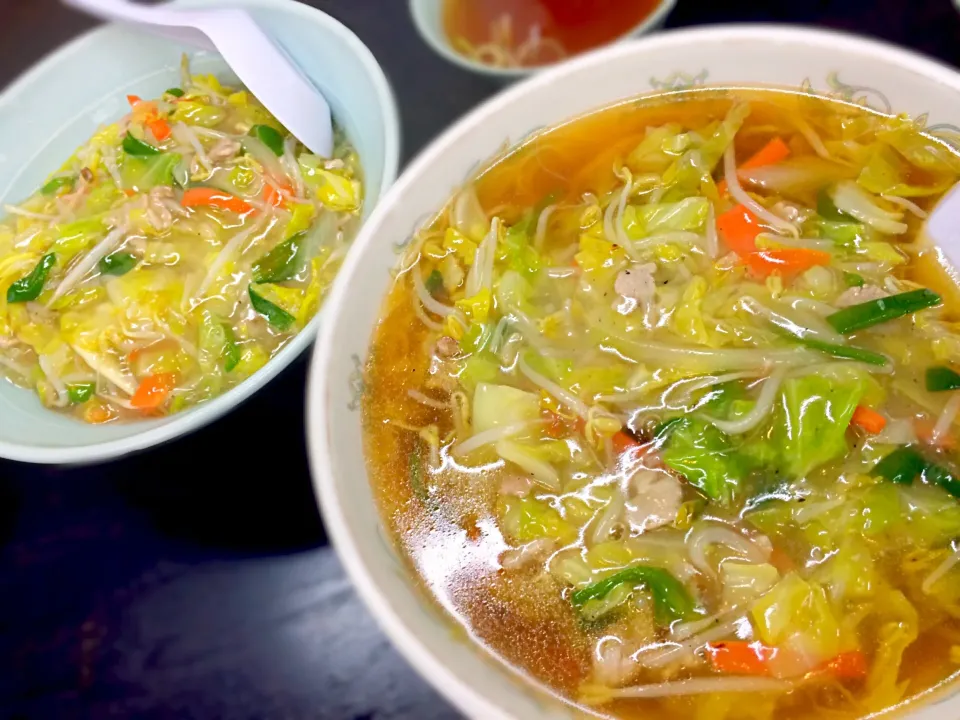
(858, 70)
(428, 18)
(59, 103)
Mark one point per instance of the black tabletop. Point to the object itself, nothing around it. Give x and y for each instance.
(195, 581)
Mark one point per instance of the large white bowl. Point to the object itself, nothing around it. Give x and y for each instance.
(848, 67)
(60, 102)
(428, 18)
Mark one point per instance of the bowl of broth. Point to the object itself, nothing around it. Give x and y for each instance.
(638, 392)
(166, 243)
(509, 39)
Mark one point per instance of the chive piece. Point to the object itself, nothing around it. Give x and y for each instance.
(842, 351)
(901, 466)
(939, 475)
(231, 351)
(828, 210)
(118, 263)
(269, 137)
(79, 393)
(281, 263)
(670, 597)
(853, 280)
(30, 286)
(138, 148)
(275, 315)
(940, 378)
(874, 312)
(176, 92)
(434, 281)
(54, 185)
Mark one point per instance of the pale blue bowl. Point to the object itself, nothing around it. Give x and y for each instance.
(60, 102)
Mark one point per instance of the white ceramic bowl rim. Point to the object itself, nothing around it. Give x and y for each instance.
(213, 409)
(442, 46)
(320, 418)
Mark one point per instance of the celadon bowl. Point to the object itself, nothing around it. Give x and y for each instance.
(833, 64)
(59, 103)
(428, 18)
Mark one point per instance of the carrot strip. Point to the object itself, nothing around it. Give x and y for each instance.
(160, 128)
(924, 429)
(274, 197)
(134, 100)
(739, 229)
(739, 657)
(197, 197)
(870, 420)
(850, 665)
(153, 391)
(786, 261)
(623, 441)
(770, 154)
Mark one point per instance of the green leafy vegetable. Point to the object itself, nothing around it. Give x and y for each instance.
(671, 599)
(853, 280)
(30, 286)
(873, 312)
(688, 214)
(138, 148)
(269, 137)
(810, 425)
(520, 255)
(828, 210)
(275, 315)
(940, 378)
(147, 172)
(231, 351)
(118, 263)
(704, 455)
(176, 92)
(81, 392)
(434, 282)
(906, 464)
(284, 262)
(54, 185)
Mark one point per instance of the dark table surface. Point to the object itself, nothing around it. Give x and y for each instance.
(152, 588)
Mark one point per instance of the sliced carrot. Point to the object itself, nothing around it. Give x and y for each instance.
(870, 420)
(129, 193)
(556, 426)
(739, 657)
(160, 128)
(624, 441)
(739, 229)
(275, 197)
(98, 413)
(153, 391)
(134, 100)
(850, 665)
(198, 197)
(770, 154)
(924, 429)
(787, 261)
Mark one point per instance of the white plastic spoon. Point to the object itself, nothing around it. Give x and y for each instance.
(262, 66)
(943, 226)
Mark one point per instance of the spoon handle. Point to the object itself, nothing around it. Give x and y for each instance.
(152, 19)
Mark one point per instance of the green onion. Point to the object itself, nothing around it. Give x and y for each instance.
(118, 263)
(54, 185)
(276, 316)
(281, 263)
(138, 148)
(853, 280)
(828, 210)
(842, 351)
(434, 281)
(671, 601)
(231, 351)
(942, 378)
(905, 464)
(176, 92)
(81, 392)
(269, 137)
(30, 286)
(874, 312)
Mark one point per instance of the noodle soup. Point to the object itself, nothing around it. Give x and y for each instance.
(528, 33)
(171, 256)
(663, 408)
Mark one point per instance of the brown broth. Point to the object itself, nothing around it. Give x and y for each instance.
(450, 535)
(567, 27)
